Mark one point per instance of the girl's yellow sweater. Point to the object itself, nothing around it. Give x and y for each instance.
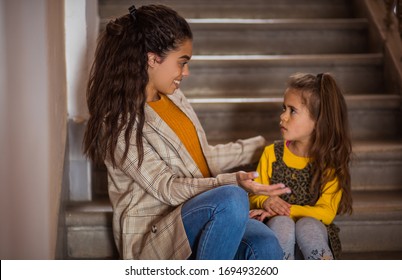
(327, 205)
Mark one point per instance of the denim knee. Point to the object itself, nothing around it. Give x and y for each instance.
(259, 243)
(234, 200)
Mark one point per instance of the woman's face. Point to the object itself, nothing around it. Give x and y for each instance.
(165, 75)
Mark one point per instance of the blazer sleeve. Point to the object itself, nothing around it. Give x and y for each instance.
(238, 153)
(158, 179)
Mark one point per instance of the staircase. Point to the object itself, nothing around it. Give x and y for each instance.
(244, 52)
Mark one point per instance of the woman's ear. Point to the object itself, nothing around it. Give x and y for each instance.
(152, 59)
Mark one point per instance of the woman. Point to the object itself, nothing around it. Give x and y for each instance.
(170, 197)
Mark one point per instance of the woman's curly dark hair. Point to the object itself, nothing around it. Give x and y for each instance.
(116, 89)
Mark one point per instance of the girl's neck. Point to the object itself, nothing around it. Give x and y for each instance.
(298, 148)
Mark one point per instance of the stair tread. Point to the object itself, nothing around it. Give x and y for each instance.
(364, 202)
(275, 98)
(370, 200)
(333, 58)
(385, 255)
(294, 23)
(230, 8)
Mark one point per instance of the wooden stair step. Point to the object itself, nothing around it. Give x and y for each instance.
(257, 73)
(376, 166)
(292, 36)
(238, 9)
(375, 226)
(373, 117)
(279, 36)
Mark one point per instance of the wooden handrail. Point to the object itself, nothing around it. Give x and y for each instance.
(394, 8)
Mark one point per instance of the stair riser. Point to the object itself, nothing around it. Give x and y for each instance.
(376, 175)
(368, 173)
(240, 40)
(361, 236)
(91, 243)
(259, 77)
(233, 123)
(239, 9)
(97, 242)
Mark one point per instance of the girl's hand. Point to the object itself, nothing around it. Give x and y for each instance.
(275, 205)
(259, 214)
(245, 180)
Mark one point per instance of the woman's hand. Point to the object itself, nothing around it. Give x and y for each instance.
(274, 205)
(245, 180)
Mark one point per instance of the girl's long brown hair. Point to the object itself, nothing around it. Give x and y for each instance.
(331, 146)
(116, 89)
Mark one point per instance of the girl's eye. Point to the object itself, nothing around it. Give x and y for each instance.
(292, 111)
(283, 108)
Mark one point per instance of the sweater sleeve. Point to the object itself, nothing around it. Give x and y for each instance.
(264, 171)
(326, 207)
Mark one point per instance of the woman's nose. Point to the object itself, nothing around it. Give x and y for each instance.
(186, 71)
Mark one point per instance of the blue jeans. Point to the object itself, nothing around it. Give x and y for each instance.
(218, 228)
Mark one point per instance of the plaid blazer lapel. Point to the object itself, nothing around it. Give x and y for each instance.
(180, 100)
(164, 131)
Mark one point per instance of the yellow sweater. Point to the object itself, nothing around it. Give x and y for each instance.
(327, 205)
(184, 129)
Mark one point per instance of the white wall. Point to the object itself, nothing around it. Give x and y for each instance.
(4, 233)
(36, 101)
(33, 126)
(81, 29)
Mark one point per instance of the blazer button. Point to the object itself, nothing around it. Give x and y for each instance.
(154, 229)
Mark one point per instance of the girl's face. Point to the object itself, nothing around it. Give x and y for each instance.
(165, 75)
(296, 122)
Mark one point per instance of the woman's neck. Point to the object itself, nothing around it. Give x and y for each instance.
(153, 97)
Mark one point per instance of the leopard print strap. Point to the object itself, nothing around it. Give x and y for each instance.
(299, 181)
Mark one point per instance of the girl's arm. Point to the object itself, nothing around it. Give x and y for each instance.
(256, 201)
(326, 207)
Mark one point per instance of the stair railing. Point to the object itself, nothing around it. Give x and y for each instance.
(394, 8)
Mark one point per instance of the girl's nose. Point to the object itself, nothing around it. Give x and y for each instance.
(283, 117)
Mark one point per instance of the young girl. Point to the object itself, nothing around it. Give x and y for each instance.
(313, 160)
(170, 195)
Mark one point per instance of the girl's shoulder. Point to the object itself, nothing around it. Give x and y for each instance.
(271, 150)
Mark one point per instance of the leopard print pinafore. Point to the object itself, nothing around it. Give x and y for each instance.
(298, 180)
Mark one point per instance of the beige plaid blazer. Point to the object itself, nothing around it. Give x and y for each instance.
(147, 201)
